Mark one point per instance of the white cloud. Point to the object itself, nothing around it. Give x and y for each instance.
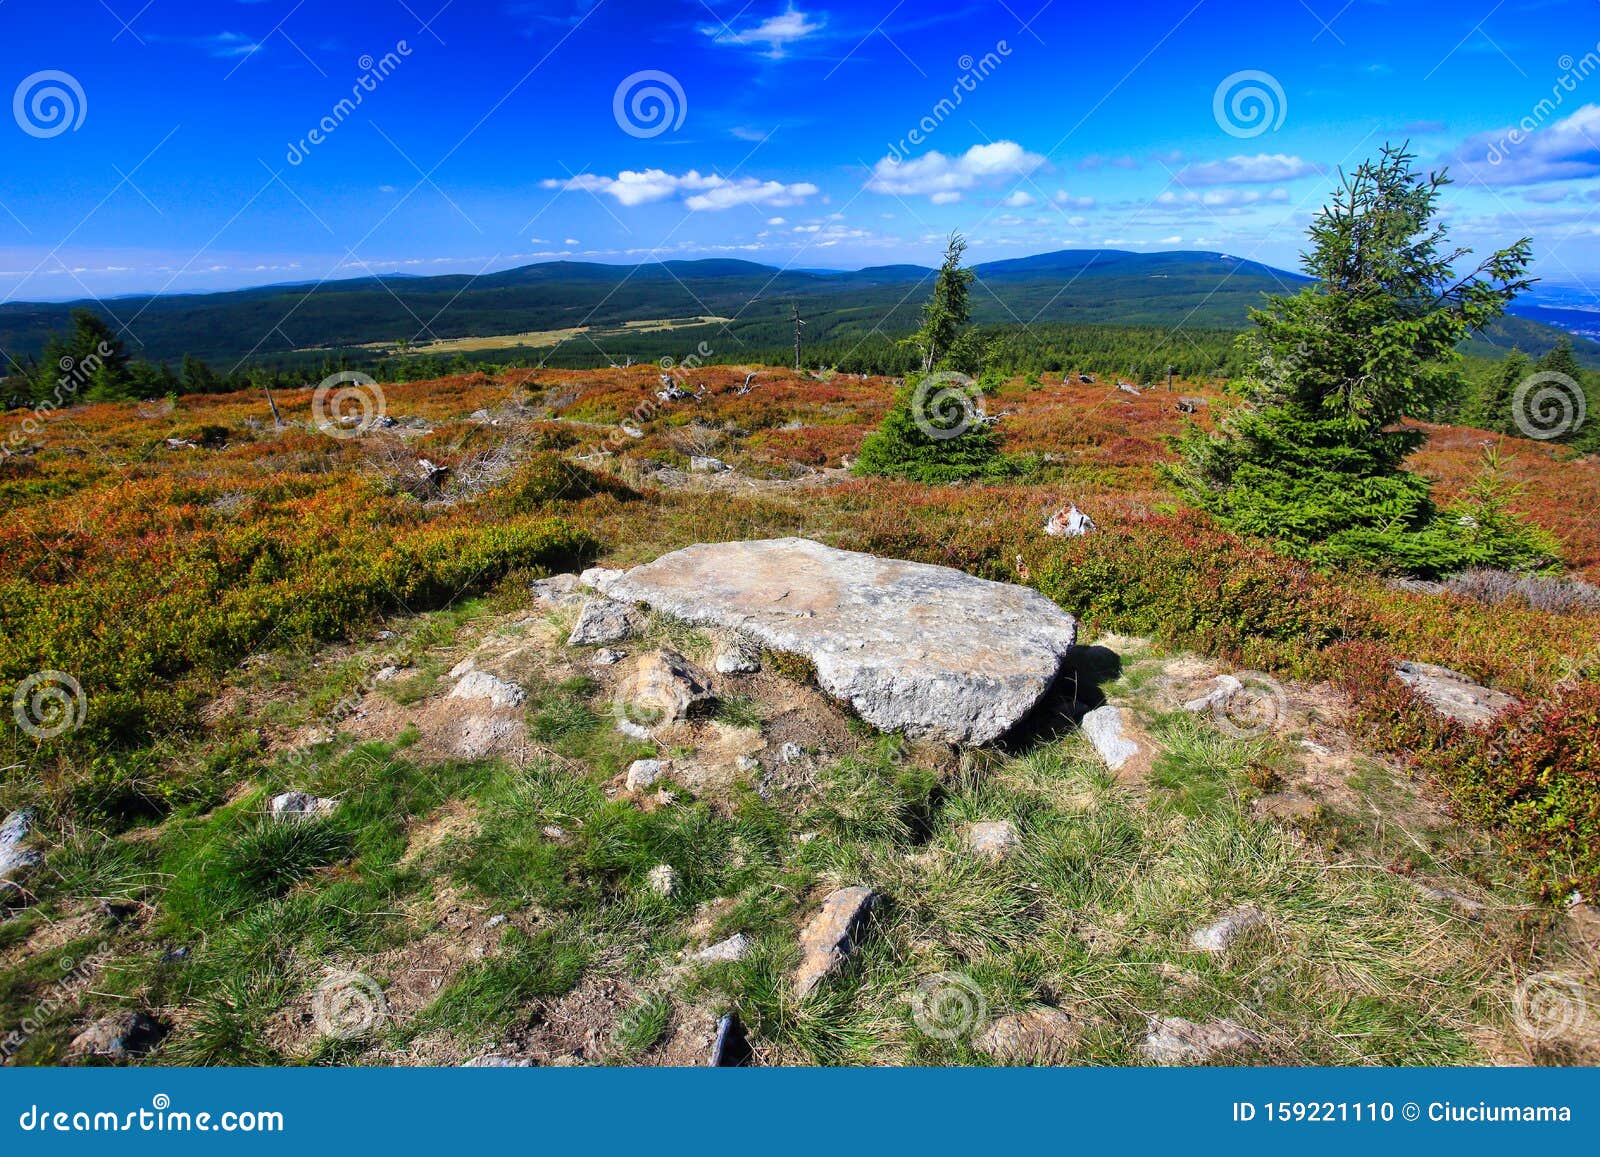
(777, 221)
(711, 192)
(775, 32)
(1241, 170)
(1068, 201)
(570, 241)
(1531, 151)
(1020, 199)
(749, 191)
(1223, 198)
(943, 178)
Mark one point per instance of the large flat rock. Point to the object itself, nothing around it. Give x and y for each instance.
(925, 650)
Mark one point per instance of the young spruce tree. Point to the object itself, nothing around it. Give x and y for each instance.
(1315, 458)
(935, 431)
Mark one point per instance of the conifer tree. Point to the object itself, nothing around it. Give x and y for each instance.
(1315, 457)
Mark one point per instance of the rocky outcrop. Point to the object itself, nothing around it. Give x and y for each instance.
(1039, 1036)
(993, 840)
(831, 936)
(1452, 694)
(482, 685)
(1216, 936)
(1175, 1041)
(643, 773)
(15, 860)
(1112, 731)
(298, 805)
(925, 650)
(600, 622)
(663, 687)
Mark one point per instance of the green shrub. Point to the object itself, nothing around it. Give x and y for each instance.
(934, 433)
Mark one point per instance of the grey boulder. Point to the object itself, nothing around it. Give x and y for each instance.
(926, 650)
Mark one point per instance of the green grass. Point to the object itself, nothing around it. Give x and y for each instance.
(1092, 913)
(489, 994)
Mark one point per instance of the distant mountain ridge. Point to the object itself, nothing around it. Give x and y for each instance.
(1172, 289)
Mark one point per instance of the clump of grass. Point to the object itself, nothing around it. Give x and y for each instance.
(641, 1026)
(488, 994)
(739, 711)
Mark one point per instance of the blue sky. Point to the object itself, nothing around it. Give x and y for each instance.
(172, 145)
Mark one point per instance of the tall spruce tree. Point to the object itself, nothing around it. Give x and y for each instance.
(1315, 457)
(935, 431)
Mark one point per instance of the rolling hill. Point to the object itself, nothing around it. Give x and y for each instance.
(286, 324)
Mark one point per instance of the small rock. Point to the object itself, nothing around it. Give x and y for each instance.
(1109, 728)
(119, 1037)
(386, 674)
(748, 763)
(461, 668)
(643, 773)
(633, 730)
(300, 805)
(494, 1061)
(482, 685)
(829, 938)
(175, 955)
(737, 656)
(664, 686)
(994, 840)
(600, 578)
(1452, 694)
(1175, 1041)
(1220, 690)
(1464, 905)
(556, 591)
(600, 622)
(662, 880)
(607, 657)
(1040, 1036)
(705, 464)
(724, 951)
(496, 920)
(1216, 936)
(15, 860)
(791, 753)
